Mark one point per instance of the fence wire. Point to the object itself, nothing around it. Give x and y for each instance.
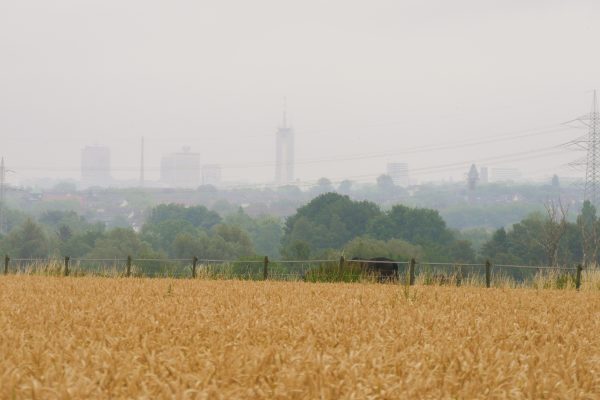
(285, 270)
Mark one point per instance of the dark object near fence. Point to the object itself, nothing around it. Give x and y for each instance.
(578, 277)
(6, 261)
(194, 264)
(266, 268)
(383, 268)
(67, 265)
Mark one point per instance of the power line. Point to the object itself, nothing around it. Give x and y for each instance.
(353, 157)
(549, 151)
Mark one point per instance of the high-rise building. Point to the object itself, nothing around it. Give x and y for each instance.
(181, 169)
(484, 175)
(399, 173)
(211, 174)
(284, 153)
(95, 166)
(472, 177)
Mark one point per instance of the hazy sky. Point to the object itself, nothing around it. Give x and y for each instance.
(366, 81)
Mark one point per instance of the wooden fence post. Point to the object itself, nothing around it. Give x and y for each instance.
(411, 271)
(194, 263)
(342, 262)
(128, 266)
(6, 261)
(578, 277)
(266, 268)
(488, 273)
(67, 258)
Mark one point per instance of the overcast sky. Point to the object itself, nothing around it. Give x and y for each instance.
(366, 82)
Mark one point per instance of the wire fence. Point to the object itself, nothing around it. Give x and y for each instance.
(333, 270)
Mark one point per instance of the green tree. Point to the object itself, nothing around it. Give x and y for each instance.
(120, 243)
(81, 244)
(223, 242)
(187, 245)
(461, 251)
(328, 221)
(162, 234)
(589, 229)
(65, 224)
(298, 250)
(27, 241)
(167, 221)
(265, 232)
(416, 225)
(236, 241)
(498, 247)
(267, 235)
(197, 216)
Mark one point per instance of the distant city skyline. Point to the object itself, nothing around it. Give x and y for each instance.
(438, 85)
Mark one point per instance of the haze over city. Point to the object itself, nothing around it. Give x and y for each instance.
(382, 199)
(366, 84)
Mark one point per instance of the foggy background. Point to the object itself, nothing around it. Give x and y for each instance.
(366, 83)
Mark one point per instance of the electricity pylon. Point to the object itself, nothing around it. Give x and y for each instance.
(590, 143)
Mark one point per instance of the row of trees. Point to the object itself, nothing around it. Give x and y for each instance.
(333, 222)
(330, 225)
(170, 231)
(548, 238)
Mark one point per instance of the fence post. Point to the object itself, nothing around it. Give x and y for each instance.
(342, 262)
(6, 261)
(67, 258)
(488, 273)
(194, 263)
(411, 271)
(578, 277)
(458, 273)
(266, 268)
(128, 266)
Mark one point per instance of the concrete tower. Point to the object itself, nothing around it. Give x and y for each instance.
(284, 152)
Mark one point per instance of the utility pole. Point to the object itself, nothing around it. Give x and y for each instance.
(590, 143)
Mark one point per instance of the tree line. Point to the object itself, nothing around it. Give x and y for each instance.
(328, 226)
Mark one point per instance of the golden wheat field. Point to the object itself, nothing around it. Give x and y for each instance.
(161, 338)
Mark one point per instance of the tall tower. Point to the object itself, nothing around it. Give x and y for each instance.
(592, 165)
(284, 152)
(590, 143)
(472, 177)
